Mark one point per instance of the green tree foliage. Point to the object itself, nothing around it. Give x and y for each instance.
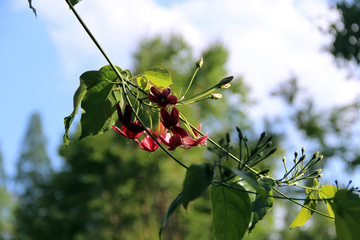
(346, 32)
(108, 189)
(176, 55)
(332, 131)
(6, 200)
(33, 171)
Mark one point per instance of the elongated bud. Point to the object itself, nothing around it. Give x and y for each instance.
(216, 96)
(226, 80)
(302, 158)
(263, 172)
(320, 175)
(200, 63)
(316, 155)
(317, 171)
(284, 159)
(228, 138)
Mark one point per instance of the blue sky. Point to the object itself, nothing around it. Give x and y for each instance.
(42, 58)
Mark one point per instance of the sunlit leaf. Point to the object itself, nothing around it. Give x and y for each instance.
(261, 206)
(173, 206)
(160, 77)
(305, 214)
(31, 7)
(250, 178)
(327, 192)
(198, 177)
(346, 207)
(142, 83)
(98, 98)
(231, 212)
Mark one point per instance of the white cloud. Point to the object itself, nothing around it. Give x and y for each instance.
(268, 40)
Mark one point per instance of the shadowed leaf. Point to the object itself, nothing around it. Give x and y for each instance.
(173, 206)
(346, 207)
(261, 206)
(231, 212)
(97, 99)
(198, 177)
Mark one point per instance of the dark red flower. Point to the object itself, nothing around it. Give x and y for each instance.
(129, 129)
(172, 142)
(171, 122)
(163, 99)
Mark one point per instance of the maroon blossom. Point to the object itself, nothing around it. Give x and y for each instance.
(171, 122)
(128, 129)
(163, 99)
(172, 142)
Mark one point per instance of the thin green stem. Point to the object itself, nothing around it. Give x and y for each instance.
(94, 39)
(191, 81)
(302, 205)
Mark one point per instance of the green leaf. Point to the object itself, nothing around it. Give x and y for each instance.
(142, 83)
(326, 192)
(231, 212)
(97, 99)
(32, 8)
(346, 207)
(160, 77)
(305, 214)
(261, 206)
(74, 2)
(250, 178)
(198, 177)
(173, 206)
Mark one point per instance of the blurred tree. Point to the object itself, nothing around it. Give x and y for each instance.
(5, 204)
(33, 171)
(333, 131)
(110, 189)
(346, 33)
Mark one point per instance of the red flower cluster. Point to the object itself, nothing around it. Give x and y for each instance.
(178, 137)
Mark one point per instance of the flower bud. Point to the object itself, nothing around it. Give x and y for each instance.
(226, 86)
(216, 96)
(226, 80)
(200, 63)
